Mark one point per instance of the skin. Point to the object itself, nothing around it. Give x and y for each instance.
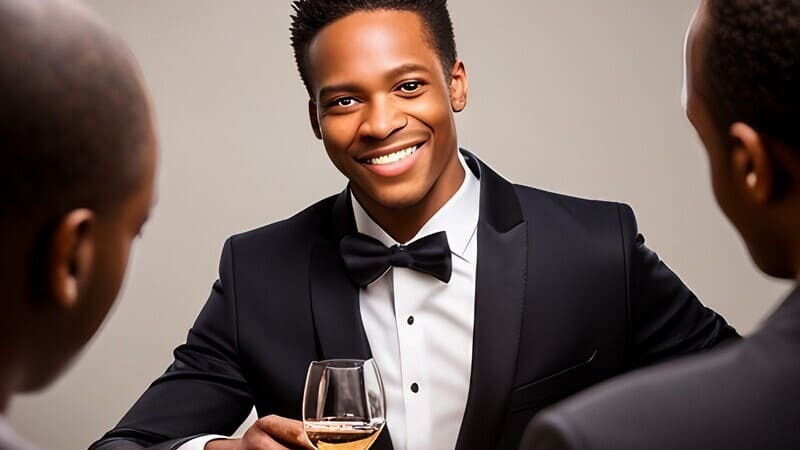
(378, 86)
(54, 306)
(87, 255)
(743, 165)
(87, 263)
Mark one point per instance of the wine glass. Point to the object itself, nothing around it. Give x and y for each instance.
(344, 406)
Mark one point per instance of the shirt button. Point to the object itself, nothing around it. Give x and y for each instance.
(414, 387)
(410, 320)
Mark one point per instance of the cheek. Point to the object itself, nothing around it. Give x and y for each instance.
(433, 110)
(718, 183)
(110, 272)
(339, 132)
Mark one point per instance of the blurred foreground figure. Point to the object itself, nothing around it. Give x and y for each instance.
(78, 152)
(743, 86)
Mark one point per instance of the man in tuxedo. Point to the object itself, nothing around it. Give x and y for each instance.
(743, 62)
(480, 300)
(78, 146)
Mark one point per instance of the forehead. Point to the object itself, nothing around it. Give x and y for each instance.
(367, 43)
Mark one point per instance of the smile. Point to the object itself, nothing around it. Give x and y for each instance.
(392, 158)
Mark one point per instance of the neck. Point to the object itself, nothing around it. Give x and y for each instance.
(402, 224)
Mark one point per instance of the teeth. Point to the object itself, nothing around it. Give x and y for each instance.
(393, 157)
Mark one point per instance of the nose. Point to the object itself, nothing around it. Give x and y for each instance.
(381, 119)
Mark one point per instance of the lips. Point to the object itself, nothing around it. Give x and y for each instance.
(392, 163)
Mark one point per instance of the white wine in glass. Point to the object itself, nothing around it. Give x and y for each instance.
(344, 404)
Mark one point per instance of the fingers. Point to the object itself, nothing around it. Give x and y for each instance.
(286, 431)
(268, 433)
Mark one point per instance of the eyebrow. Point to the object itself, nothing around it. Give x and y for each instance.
(394, 73)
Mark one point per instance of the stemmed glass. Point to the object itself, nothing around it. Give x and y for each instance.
(344, 406)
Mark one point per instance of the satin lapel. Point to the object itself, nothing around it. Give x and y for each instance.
(499, 298)
(334, 298)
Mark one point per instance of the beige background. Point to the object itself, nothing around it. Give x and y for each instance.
(575, 96)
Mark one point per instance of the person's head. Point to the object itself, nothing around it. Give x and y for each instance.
(743, 86)
(384, 82)
(78, 148)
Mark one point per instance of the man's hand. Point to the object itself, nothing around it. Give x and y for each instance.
(268, 433)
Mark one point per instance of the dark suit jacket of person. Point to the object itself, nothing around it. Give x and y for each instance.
(566, 295)
(745, 396)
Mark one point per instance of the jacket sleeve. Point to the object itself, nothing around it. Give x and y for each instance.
(204, 391)
(550, 431)
(665, 318)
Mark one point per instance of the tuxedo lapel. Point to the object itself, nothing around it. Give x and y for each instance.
(335, 299)
(499, 297)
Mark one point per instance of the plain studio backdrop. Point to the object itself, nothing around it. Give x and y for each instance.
(580, 97)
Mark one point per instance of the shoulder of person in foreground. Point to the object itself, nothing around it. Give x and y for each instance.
(727, 398)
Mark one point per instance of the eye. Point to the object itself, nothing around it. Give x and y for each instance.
(344, 102)
(410, 86)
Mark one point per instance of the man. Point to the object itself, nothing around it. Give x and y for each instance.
(78, 146)
(743, 62)
(481, 301)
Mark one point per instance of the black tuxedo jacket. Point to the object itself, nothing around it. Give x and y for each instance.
(745, 396)
(566, 295)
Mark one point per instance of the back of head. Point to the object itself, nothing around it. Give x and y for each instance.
(313, 15)
(77, 148)
(73, 116)
(743, 98)
(753, 65)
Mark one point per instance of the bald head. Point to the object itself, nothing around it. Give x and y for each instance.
(74, 115)
(77, 154)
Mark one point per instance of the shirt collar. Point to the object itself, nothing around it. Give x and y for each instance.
(458, 217)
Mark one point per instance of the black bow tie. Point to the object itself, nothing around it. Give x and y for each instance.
(367, 258)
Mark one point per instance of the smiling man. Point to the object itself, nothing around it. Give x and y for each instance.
(480, 300)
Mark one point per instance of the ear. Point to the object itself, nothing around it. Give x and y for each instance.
(71, 257)
(314, 118)
(459, 87)
(752, 165)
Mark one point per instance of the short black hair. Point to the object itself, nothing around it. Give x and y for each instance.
(752, 65)
(74, 116)
(310, 16)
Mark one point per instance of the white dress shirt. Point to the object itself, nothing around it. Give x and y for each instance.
(420, 329)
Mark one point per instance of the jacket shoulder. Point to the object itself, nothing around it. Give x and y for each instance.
(302, 227)
(538, 203)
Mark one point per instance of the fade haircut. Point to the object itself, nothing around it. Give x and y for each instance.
(753, 66)
(74, 116)
(311, 16)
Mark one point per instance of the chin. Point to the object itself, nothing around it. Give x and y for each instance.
(398, 198)
(39, 376)
(772, 261)
(50, 360)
